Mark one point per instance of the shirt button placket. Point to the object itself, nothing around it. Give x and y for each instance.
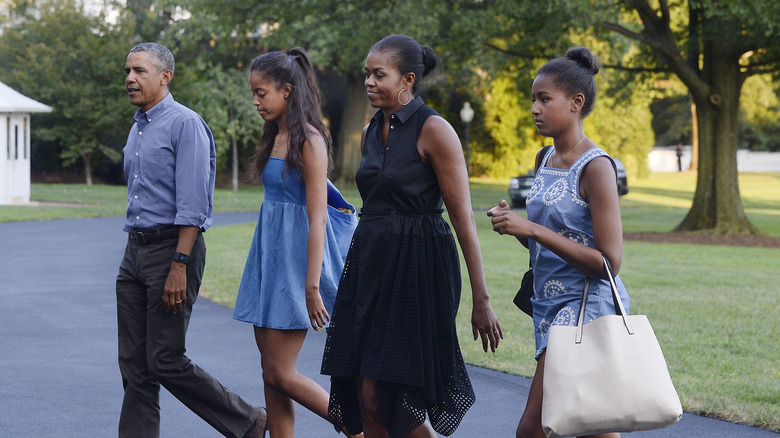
(392, 118)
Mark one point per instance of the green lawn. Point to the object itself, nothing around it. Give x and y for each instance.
(714, 308)
(72, 201)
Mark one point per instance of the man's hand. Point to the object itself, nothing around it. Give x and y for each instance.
(175, 293)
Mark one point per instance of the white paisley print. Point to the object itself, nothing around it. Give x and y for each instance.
(553, 288)
(565, 316)
(576, 236)
(536, 187)
(555, 192)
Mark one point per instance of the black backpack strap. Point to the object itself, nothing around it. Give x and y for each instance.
(540, 157)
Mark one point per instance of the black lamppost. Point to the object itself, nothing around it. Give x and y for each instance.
(467, 115)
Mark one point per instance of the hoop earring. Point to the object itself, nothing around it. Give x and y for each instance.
(411, 97)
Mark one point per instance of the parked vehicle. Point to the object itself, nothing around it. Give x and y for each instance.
(520, 186)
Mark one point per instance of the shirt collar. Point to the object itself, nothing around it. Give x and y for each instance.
(405, 112)
(147, 117)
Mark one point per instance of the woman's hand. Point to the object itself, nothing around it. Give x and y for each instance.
(485, 325)
(318, 316)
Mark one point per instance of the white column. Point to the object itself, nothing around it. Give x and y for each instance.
(24, 160)
(5, 171)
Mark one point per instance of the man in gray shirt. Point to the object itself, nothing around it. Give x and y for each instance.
(170, 164)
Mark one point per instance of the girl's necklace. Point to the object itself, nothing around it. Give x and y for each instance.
(571, 151)
(278, 142)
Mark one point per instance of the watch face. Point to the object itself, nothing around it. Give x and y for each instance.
(181, 258)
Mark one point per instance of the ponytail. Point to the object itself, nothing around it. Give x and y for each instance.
(303, 107)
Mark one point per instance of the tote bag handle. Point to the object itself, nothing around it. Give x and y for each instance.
(615, 298)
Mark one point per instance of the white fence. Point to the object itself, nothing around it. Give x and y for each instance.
(664, 159)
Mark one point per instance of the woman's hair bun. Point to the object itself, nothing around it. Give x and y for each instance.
(429, 60)
(584, 58)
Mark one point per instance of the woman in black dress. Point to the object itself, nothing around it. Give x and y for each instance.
(392, 349)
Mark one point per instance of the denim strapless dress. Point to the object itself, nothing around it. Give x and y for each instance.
(272, 292)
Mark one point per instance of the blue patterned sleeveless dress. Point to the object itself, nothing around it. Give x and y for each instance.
(554, 201)
(273, 287)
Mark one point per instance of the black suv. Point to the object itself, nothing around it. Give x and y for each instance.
(519, 186)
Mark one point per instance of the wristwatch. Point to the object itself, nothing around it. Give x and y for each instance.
(181, 258)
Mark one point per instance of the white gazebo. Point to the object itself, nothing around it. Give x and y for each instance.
(15, 110)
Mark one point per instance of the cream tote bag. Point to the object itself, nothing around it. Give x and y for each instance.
(606, 376)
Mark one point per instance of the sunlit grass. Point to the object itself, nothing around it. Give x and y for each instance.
(714, 308)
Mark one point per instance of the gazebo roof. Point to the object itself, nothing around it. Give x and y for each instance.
(11, 101)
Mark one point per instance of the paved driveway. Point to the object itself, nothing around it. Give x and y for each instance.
(58, 370)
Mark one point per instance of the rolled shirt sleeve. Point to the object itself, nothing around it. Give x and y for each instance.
(195, 174)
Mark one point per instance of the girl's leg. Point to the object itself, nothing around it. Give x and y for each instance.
(369, 409)
(283, 383)
(530, 425)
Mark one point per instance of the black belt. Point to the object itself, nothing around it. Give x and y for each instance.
(389, 212)
(145, 236)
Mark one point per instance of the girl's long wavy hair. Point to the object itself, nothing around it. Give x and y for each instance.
(303, 108)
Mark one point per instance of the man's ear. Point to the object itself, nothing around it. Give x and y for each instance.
(167, 76)
(577, 102)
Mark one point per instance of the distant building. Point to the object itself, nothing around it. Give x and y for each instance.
(15, 111)
(12, 12)
(664, 159)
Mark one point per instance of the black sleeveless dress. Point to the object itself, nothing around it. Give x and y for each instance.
(394, 316)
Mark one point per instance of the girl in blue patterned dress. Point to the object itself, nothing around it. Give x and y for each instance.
(294, 264)
(573, 214)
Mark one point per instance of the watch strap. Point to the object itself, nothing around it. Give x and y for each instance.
(181, 257)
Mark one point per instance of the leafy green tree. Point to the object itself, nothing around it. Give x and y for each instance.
(226, 105)
(72, 62)
(759, 127)
(621, 124)
(513, 139)
(712, 47)
(672, 119)
(337, 35)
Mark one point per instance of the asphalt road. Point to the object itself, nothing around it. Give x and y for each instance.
(58, 367)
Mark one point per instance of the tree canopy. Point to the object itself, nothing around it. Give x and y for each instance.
(72, 62)
(654, 51)
(712, 47)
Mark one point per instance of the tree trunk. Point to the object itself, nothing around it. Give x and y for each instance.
(353, 119)
(717, 206)
(234, 172)
(694, 139)
(87, 168)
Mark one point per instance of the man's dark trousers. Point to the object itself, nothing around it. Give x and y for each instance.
(151, 346)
